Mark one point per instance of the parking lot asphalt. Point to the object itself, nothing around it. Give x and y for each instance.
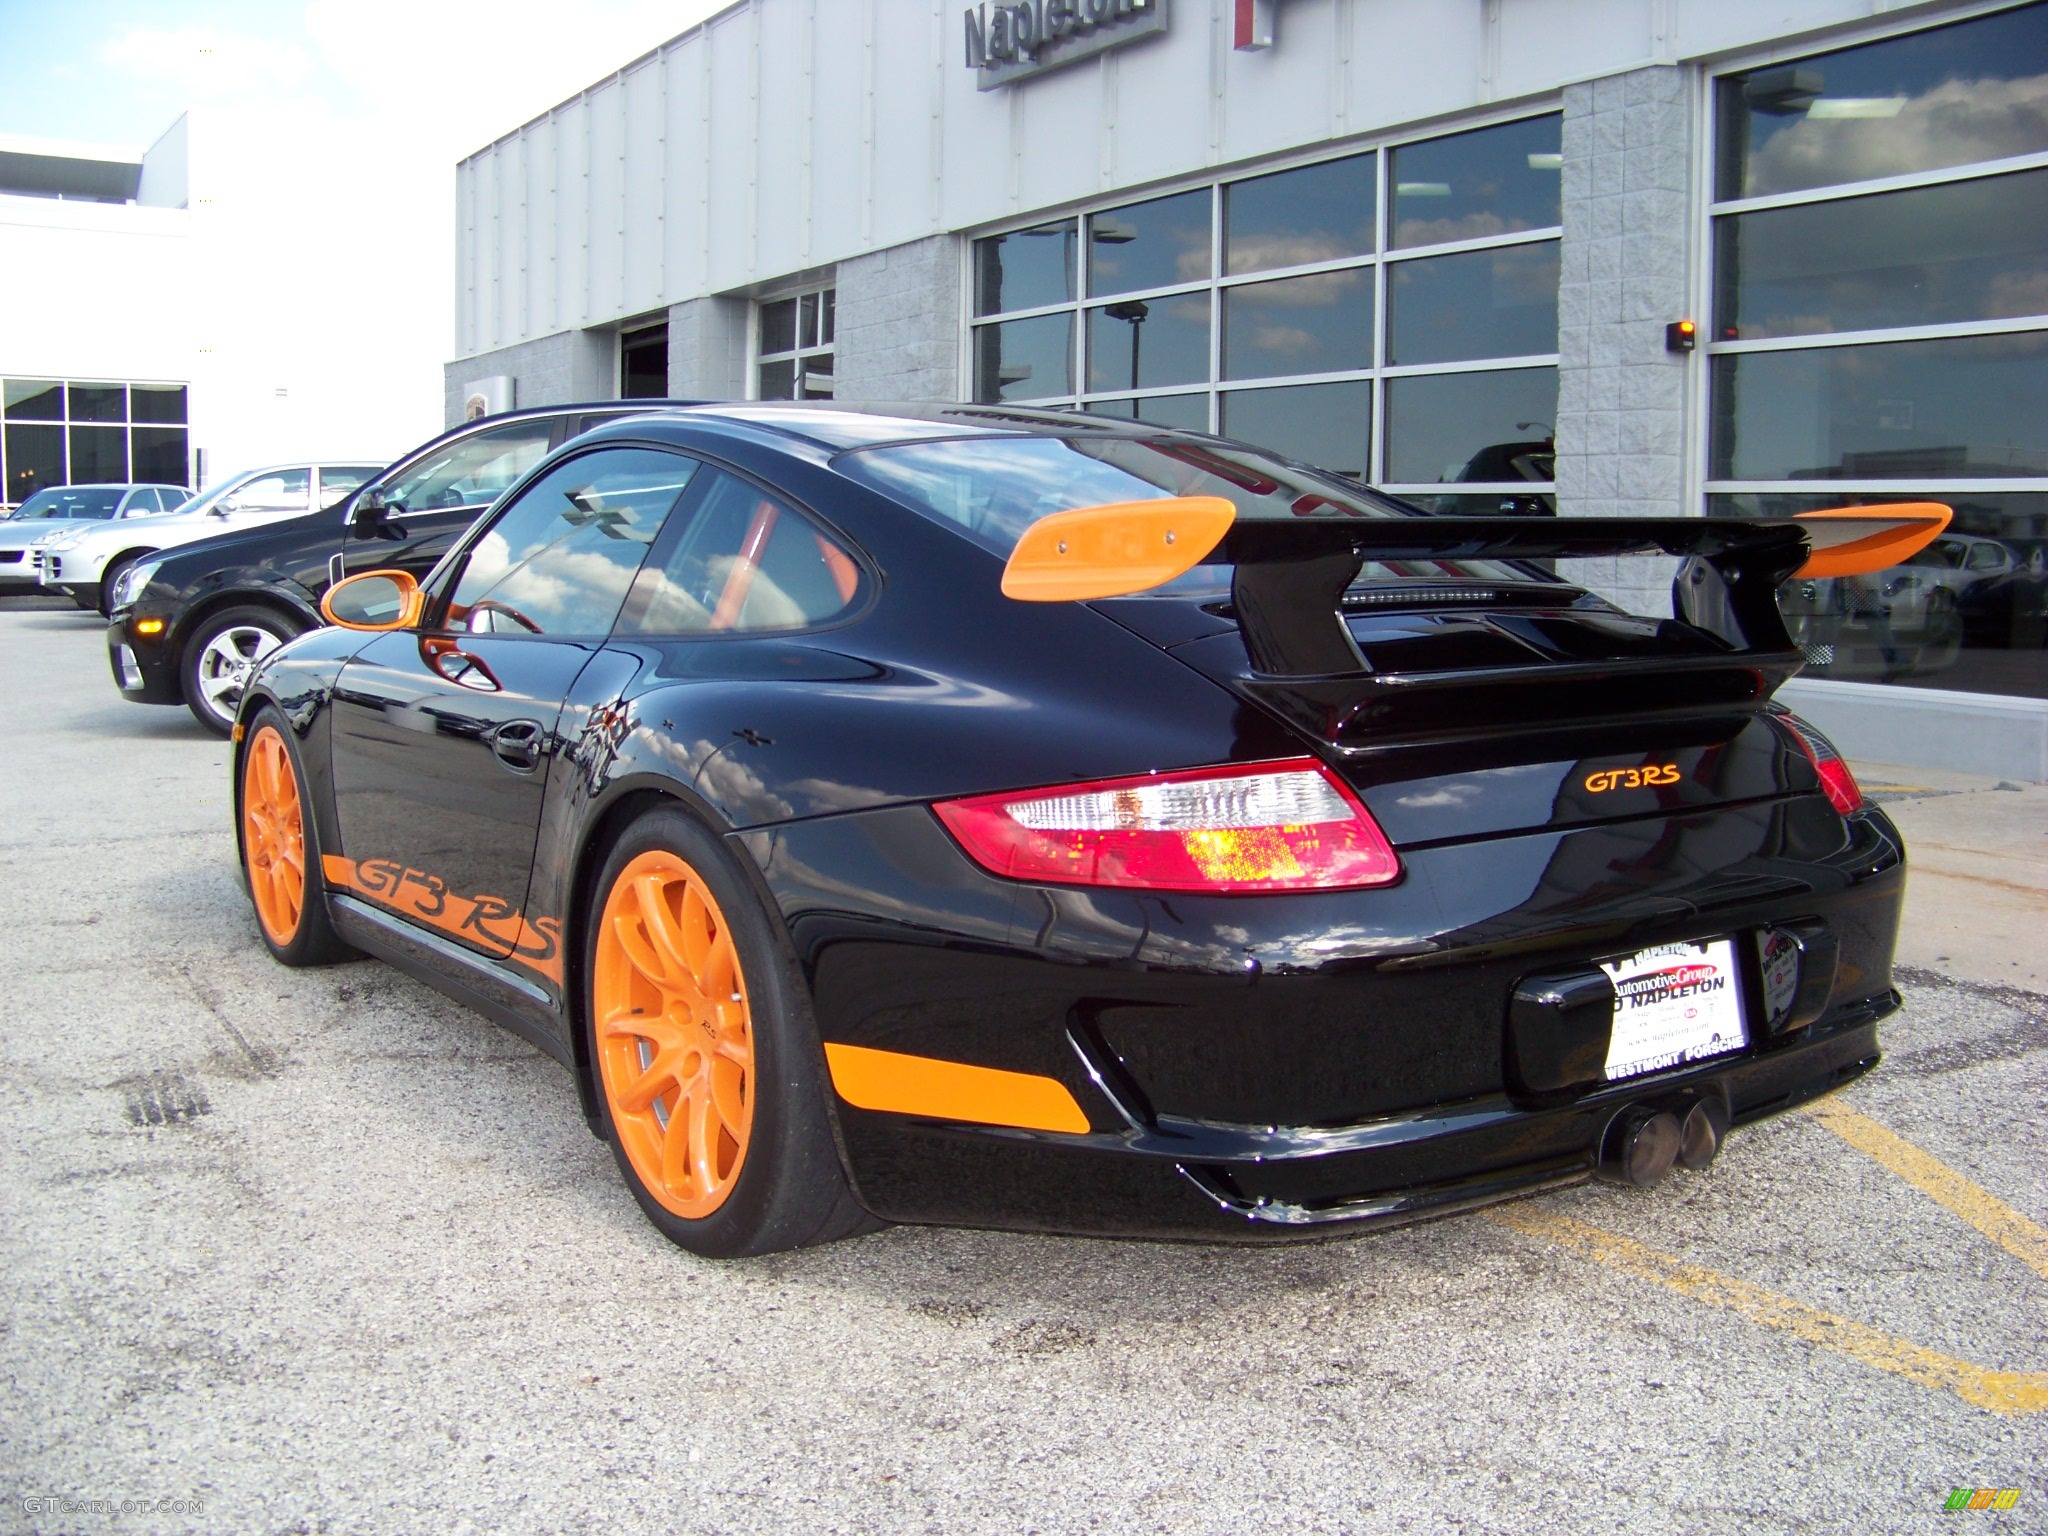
(319, 1251)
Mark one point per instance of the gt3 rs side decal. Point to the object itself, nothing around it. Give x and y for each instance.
(951, 1090)
(425, 898)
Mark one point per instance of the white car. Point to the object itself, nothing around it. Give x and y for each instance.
(58, 510)
(86, 560)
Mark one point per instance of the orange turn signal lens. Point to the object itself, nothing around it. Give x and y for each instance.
(1286, 826)
(149, 626)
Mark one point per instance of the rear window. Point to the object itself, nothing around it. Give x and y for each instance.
(994, 490)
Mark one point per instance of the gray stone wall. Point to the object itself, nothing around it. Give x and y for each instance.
(555, 370)
(899, 323)
(1624, 274)
(707, 349)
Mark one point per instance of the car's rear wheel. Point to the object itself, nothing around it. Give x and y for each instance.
(710, 1076)
(222, 655)
(281, 850)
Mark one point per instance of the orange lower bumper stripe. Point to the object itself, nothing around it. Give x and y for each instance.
(951, 1090)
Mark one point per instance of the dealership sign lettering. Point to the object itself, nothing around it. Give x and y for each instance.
(1013, 41)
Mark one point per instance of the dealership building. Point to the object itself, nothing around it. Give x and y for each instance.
(1602, 257)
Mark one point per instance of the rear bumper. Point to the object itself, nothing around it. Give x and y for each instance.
(1279, 1068)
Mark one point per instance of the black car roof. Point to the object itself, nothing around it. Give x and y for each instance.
(828, 424)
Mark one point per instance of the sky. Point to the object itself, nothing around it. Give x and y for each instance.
(325, 137)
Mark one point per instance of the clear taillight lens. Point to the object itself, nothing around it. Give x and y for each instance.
(1836, 781)
(1287, 826)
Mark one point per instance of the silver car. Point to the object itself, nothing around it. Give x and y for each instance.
(58, 509)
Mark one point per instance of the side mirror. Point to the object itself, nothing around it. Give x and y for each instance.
(368, 514)
(223, 507)
(374, 600)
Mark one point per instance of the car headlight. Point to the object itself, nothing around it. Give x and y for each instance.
(44, 540)
(131, 582)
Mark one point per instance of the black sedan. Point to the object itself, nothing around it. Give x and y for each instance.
(1024, 820)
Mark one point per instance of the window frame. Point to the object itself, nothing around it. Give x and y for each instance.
(127, 425)
(1377, 263)
(1710, 210)
(800, 353)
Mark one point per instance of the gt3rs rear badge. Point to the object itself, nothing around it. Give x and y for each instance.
(1632, 778)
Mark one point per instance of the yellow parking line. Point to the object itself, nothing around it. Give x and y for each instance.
(2012, 1393)
(1940, 1183)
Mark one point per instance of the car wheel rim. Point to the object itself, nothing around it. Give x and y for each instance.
(273, 836)
(225, 663)
(675, 1034)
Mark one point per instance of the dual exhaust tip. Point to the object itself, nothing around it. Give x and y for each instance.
(1643, 1142)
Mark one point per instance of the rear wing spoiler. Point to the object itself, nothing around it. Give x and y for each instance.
(1290, 576)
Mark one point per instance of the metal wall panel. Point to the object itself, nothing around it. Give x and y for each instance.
(784, 135)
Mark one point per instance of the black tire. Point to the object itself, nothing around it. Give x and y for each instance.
(312, 940)
(108, 577)
(249, 632)
(790, 1190)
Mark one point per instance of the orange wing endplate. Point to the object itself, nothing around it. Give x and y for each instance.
(1114, 550)
(1853, 541)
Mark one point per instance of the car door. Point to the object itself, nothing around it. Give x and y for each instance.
(442, 736)
(430, 502)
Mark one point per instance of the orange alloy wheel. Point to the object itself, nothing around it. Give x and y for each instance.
(675, 1036)
(273, 836)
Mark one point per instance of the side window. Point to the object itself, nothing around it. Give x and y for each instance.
(471, 470)
(744, 562)
(337, 480)
(1985, 557)
(283, 490)
(559, 560)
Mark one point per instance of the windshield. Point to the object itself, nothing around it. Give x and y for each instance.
(995, 488)
(85, 501)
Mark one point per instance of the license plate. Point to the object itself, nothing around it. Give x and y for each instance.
(1675, 1004)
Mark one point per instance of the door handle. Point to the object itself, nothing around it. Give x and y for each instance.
(516, 744)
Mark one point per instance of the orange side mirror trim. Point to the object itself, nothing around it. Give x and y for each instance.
(410, 607)
(951, 1090)
(1114, 550)
(1853, 541)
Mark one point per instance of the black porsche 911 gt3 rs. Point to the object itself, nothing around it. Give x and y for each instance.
(1024, 820)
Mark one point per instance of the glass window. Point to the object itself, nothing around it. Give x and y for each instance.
(1954, 95)
(559, 559)
(159, 453)
(1967, 250)
(1149, 245)
(643, 363)
(98, 402)
(1491, 181)
(1316, 324)
(1291, 218)
(470, 470)
(801, 330)
(35, 459)
(34, 400)
(99, 454)
(157, 403)
(1968, 406)
(1327, 425)
(996, 488)
(337, 480)
(282, 490)
(1143, 343)
(745, 561)
(1024, 359)
(1970, 611)
(1188, 413)
(1474, 427)
(1025, 268)
(1497, 303)
(778, 326)
(95, 502)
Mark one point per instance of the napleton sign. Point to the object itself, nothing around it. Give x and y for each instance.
(1007, 42)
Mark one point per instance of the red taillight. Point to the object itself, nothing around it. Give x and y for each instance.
(1836, 781)
(1289, 826)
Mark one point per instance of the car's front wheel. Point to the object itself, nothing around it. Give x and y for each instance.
(281, 849)
(222, 655)
(710, 1076)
